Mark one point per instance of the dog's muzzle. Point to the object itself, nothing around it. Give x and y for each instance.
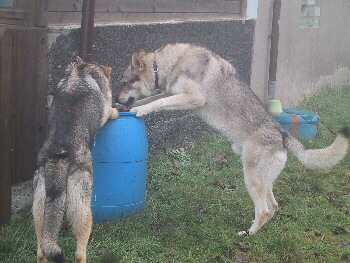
(126, 105)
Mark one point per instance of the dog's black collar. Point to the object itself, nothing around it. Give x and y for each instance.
(156, 81)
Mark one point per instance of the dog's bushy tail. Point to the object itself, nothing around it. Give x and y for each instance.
(319, 158)
(56, 173)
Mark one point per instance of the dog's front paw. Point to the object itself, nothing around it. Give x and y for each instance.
(140, 110)
(114, 114)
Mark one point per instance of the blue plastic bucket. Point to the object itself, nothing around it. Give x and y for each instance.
(120, 167)
(300, 123)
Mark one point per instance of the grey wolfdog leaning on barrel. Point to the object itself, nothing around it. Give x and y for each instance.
(63, 182)
(185, 76)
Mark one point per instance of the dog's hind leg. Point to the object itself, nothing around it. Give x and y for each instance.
(271, 202)
(82, 233)
(38, 210)
(278, 162)
(261, 168)
(257, 190)
(79, 210)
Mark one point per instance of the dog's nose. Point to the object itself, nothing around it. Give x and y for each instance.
(120, 100)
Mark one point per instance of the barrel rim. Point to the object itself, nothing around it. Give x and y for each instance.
(127, 113)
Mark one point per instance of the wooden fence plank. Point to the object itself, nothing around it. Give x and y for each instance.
(136, 6)
(152, 6)
(198, 6)
(41, 13)
(107, 11)
(29, 49)
(40, 89)
(21, 97)
(12, 17)
(65, 18)
(65, 5)
(5, 124)
(69, 6)
(107, 6)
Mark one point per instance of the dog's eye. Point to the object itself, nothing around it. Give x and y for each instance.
(134, 79)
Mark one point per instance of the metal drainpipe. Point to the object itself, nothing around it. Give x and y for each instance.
(87, 30)
(274, 48)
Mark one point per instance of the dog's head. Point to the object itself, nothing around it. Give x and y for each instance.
(137, 80)
(81, 69)
(91, 68)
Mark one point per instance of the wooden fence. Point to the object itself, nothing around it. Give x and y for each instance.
(23, 66)
(69, 12)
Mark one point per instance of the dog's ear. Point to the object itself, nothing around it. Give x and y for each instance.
(142, 52)
(107, 70)
(79, 60)
(135, 62)
(142, 64)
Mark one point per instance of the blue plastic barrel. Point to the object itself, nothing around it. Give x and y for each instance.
(120, 167)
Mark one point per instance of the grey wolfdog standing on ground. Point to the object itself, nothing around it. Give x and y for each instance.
(185, 76)
(63, 181)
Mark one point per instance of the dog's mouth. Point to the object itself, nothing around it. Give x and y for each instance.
(125, 107)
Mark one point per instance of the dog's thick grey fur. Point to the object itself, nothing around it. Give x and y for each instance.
(185, 76)
(63, 181)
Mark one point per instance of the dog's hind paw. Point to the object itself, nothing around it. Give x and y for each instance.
(243, 233)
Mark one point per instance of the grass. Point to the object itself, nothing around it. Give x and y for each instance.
(197, 202)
